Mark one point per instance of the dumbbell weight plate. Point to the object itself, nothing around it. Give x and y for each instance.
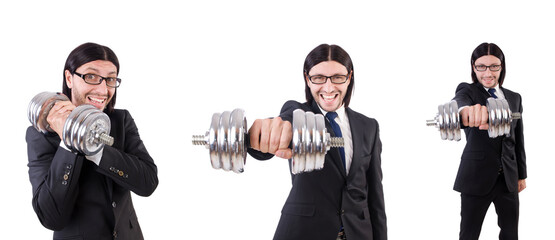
(78, 127)
(441, 122)
(493, 118)
(67, 133)
(455, 121)
(213, 141)
(36, 106)
(93, 125)
(237, 137)
(40, 106)
(320, 147)
(223, 141)
(507, 116)
(310, 133)
(298, 159)
(448, 121)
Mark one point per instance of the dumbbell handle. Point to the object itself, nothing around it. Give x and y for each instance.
(202, 140)
(434, 122)
(106, 139)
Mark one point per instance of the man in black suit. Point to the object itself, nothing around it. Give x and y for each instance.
(344, 200)
(88, 197)
(491, 169)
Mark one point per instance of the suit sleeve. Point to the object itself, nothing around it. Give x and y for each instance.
(463, 95)
(519, 145)
(132, 168)
(54, 174)
(376, 203)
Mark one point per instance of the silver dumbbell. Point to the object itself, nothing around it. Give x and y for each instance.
(448, 120)
(227, 141)
(86, 129)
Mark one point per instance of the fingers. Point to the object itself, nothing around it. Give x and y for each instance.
(521, 185)
(286, 153)
(58, 114)
(265, 135)
(254, 134)
(271, 136)
(464, 116)
(484, 118)
(475, 116)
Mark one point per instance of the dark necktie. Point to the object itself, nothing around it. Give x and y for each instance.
(337, 130)
(492, 92)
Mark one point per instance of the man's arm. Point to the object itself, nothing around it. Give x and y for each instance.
(132, 168)
(272, 136)
(54, 174)
(520, 153)
(472, 115)
(376, 203)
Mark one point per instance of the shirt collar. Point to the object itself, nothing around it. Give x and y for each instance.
(340, 112)
(496, 88)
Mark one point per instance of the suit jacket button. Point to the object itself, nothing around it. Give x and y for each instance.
(114, 204)
(69, 166)
(66, 177)
(64, 182)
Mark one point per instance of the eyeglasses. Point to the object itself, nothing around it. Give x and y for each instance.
(482, 68)
(321, 79)
(94, 79)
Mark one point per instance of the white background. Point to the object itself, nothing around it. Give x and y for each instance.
(183, 61)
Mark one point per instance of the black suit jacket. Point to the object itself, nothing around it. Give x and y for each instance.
(483, 156)
(320, 202)
(80, 200)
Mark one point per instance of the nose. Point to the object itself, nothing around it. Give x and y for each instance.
(102, 87)
(328, 86)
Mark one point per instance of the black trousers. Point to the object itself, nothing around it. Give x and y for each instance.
(474, 209)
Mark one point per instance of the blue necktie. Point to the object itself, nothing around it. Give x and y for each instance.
(492, 92)
(337, 130)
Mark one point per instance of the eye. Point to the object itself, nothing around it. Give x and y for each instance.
(90, 77)
(338, 78)
(318, 78)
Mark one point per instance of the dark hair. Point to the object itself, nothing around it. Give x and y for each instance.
(488, 49)
(85, 53)
(323, 53)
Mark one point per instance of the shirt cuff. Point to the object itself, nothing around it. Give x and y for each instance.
(95, 158)
(63, 145)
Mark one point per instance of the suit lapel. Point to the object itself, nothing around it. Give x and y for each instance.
(357, 138)
(333, 152)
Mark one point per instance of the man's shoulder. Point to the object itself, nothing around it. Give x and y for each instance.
(354, 115)
(292, 105)
(507, 91)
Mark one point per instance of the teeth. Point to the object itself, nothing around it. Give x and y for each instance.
(97, 100)
(328, 97)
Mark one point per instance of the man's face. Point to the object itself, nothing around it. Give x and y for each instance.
(488, 78)
(84, 93)
(328, 95)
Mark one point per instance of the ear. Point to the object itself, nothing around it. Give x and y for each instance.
(69, 78)
(306, 79)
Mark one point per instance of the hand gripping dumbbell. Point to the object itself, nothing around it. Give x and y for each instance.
(448, 120)
(227, 141)
(86, 129)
